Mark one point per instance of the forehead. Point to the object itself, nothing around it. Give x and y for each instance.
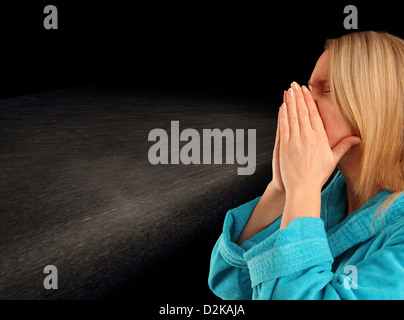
(320, 73)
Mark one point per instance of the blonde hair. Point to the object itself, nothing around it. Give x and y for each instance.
(367, 83)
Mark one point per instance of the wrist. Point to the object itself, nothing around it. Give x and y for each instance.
(303, 192)
(301, 203)
(271, 188)
(274, 198)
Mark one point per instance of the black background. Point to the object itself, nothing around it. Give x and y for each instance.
(243, 49)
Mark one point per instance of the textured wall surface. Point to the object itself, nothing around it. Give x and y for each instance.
(77, 191)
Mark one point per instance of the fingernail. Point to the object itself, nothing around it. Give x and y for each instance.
(357, 142)
(290, 92)
(295, 85)
(283, 106)
(304, 89)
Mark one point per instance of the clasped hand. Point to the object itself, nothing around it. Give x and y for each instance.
(306, 159)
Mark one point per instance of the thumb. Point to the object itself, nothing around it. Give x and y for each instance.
(344, 146)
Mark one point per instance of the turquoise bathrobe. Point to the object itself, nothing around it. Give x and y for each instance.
(358, 257)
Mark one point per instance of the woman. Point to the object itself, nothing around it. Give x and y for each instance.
(347, 241)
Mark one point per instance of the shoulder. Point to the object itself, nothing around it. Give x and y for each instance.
(393, 219)
(396, 233)
(391, 211)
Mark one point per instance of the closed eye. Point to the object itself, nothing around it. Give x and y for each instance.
(317, 90)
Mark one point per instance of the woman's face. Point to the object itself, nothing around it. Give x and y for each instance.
(335, 125)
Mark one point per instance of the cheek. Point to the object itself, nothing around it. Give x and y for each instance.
(334, 124)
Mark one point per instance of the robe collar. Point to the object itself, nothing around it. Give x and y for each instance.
(345, 232)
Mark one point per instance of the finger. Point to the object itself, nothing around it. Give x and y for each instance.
(279, 125)
(315, 119)
(283, 125)
(276, 147)
(293, 120)
(275, 154)
(279, 116)
(344, 146)
(302, 111)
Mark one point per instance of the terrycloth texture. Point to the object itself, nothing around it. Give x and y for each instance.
(312, 257)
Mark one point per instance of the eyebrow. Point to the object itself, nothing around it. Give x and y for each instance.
(320, 82)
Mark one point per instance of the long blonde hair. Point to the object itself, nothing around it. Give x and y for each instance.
(367, 83)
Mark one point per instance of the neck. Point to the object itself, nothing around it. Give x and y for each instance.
(349, 166)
